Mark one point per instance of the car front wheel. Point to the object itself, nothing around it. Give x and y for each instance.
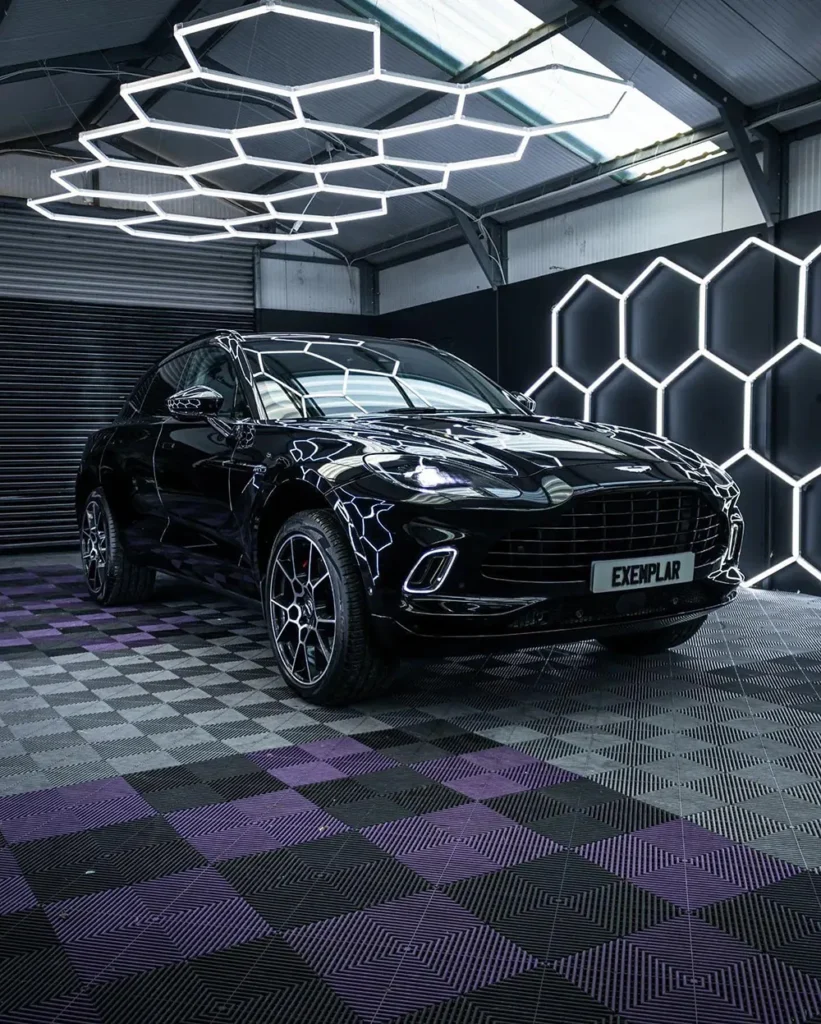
(653, 641)
(317, 614)
(111, 576)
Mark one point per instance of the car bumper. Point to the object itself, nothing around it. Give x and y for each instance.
(471, 611)
(549, 621)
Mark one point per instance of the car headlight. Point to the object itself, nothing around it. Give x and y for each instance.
(424, 477)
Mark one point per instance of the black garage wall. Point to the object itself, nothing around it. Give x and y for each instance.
(751, 314)
(67, 369)
(83, 312)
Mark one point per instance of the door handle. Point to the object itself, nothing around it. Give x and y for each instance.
(168, 445)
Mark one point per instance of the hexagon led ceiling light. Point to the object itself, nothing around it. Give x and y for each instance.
(267, 220)
(797, 483)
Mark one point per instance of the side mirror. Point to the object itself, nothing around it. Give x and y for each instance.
(197, 403)
(527, 403)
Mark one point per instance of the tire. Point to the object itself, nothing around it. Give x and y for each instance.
(653, 641)
(111, 577)
(312, 578)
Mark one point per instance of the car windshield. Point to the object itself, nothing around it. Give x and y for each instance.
(321, 378)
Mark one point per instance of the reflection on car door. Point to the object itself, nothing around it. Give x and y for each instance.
(198, 472)
(130, 458)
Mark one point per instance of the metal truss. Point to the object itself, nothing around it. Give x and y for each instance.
(260, 209)
(703, 352)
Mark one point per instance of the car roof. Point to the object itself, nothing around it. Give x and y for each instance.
(260, 341)
(255, 340)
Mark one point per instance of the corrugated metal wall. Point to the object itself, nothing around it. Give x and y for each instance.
(66, 370)
(441, 276)
(805, 176)
(708, 202)
(83, 313)
(714, 200)
(319, 287)
(42, 259)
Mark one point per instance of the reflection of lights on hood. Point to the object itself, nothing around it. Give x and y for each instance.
(557, 491)
(536, 444)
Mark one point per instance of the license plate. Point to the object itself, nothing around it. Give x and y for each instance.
(637, 573)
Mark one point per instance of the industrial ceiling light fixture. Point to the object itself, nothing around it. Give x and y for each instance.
(797, 484)
(267, 220)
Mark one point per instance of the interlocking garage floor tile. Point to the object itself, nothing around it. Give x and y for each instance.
(578, 838)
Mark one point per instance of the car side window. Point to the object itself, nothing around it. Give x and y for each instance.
(134, 402)
(211, 367)
(166, 382)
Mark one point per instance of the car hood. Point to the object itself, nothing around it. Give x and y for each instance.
(519, 445)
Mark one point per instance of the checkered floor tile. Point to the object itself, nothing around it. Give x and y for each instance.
(549, 836)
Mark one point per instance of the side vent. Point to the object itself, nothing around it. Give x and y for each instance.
(430, 572)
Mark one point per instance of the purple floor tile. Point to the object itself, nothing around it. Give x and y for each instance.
(408, 954)
(254, 825)
(139, 928)
(280, 757)
(687, 886)
(459, 842)
(15, 895)
(238, 813)
(70, 809)
(450, 862)
(511, 846)
(538, 776)
(683, 839)
(627, 855)
(468, 819)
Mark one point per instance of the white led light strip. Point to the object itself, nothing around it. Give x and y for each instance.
(797, 484)
(266, 208)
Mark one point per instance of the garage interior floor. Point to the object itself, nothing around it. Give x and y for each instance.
(549, 836)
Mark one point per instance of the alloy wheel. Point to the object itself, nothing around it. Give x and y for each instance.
(94, 546)
(303, 610)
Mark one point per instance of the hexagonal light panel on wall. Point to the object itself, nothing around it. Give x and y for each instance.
(704, 353)
(288, 115)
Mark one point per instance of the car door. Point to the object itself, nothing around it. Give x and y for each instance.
(199, 471)
(128, 468)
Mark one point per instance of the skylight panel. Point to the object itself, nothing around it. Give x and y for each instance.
(469, 30)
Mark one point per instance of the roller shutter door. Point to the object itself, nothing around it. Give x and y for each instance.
(80, 319)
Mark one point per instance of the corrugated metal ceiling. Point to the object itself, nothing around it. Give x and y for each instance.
(757, 49)
(39, 29)
(597, 40)
(43, 105)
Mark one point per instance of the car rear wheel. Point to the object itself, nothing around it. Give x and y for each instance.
(111, 577)
(317, 614)
(653, 641)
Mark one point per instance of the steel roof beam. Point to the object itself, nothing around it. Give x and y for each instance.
(490, 267)
(734, 114)
(113, 62)
(156, 44)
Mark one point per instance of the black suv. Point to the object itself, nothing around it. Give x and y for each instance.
(383, 496)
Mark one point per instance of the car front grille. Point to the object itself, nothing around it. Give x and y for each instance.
(619, 524)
